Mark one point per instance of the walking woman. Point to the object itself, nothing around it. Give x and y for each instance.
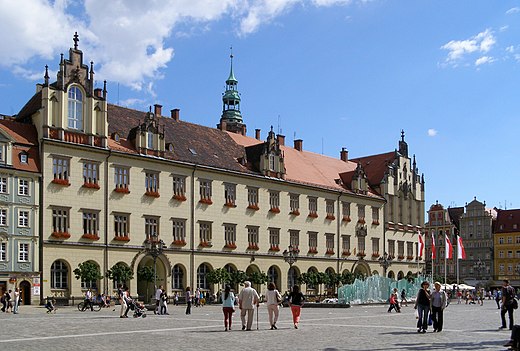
(438, 303)
(422, 305)
(296, 299)
(228, 307)
(273, 300)
(188, 300)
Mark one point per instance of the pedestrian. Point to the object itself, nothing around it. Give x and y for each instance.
(438, 304)
(128, 301)
(498, 297)
(228, 307)
(393, 302)
(3, 300)
(296, 300)
(514, 342)
(459, 297)
(508, 300)
(403, 298)
(158, 293)
(247, 300)
(176, 299)
(422, 305)
(8, 298)
(164, 303)
(273, 301)
(88, 301)
(188, 300)
(16, 297)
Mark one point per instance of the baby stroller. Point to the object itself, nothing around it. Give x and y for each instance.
(138, 308)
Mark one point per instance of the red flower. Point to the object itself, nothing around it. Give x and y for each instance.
(313, 215)
(253, 207)
(179, 242)
(230, 246)
(329, 252)
(330, 217)
(346, 253)
(230, 204)
(295, 213)
(58, 181)
(206, 201)
(274, 248)
(121, 238)
(122, 190)
(313, 250)
(179, 197)
(91, 185)
(152, 194)
(60, 235)
(90, 236)
(252, 246)
(274, 210)
(346, 219)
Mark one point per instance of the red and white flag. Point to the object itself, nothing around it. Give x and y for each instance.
(433, 246)
(420, 248)
(449, 247)
(461, 253)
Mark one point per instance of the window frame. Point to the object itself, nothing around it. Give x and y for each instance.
(75, 108)
(23, 252)
(23, 187)
(23, 221)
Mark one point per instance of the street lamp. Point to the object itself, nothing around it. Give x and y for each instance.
(154, 247)
(291, 255)
(385, 261)
(478, 267)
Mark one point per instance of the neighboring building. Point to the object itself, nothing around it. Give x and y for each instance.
(115, 179)
(19, 210)
(506, 240)
(476, 233)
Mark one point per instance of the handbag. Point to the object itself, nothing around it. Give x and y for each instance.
(430, 321)
(515, 303)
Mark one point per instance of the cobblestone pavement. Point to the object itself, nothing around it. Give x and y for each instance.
(467, 327)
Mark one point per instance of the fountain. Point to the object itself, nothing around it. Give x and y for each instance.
(375, 289)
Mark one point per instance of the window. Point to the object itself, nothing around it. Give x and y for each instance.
(501, 240)
(151, 227)
(3, 216)
(60, 168)
(2, 152)
(361, 245)
(23, 187)
(121, 225)
(272, 159)
(179, 231)
(3, 185)
(329, 243)
(510, 254)
(294, 238)
(24, 157)
(313, 207)
(409, 249)
(152, 183)
(294, 204)
(90, 223)
(177, 277)
(230, 194)
(59, 275)
(252, 198)
(60, 220)
(329, 207)
(202, 273)
(274, 239)
(23, 218)
(517, 239)
(179, 187)
(375, 215)
(361, 213)
(391, 248)
(205, 233)
(375, 246)
(501, 267)
(150, 139)
(345, 244)
(75, 104)
(23, 252)
(90, 173)
(230, 235)
(121, 178)
(500, 254)
(274, 201)
(313, 242)
(205, 191)
(509, 239)
(400, 249)
(252, 237)
(3, 251)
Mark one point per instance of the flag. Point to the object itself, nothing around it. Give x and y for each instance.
(433, 246)
(449, 248)
(461, 253)
(420, 248)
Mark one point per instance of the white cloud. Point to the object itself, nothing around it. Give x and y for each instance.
(432, 132)
(483, 60)
(513, 10)
(458, 50)
(125, 39)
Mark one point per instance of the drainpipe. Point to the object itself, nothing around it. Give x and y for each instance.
(338, 230)
(105, 253)
(40, 226)
(192, 228)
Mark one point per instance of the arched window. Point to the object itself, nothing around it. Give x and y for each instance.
(272, 273)
(292, 277)
(75, 116)
(178, 277)
(59, 275)
(202, 271)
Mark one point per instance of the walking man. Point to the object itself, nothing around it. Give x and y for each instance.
(508, 295)
(16, 300)
(88, 301)
(158, 293)
(247, 300)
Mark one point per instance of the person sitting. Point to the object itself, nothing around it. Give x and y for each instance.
(49, 305)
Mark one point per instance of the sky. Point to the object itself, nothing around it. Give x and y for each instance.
(335, 73)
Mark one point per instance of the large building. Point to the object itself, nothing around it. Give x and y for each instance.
(506, 240)
(114, 180)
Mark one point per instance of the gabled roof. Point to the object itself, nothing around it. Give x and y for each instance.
(507, 220)
(33, 105)
(25, 139)
(375, 166)
(455, 213)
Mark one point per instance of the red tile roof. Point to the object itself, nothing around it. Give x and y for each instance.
(507, 220)
(25, 139)
(375, 166)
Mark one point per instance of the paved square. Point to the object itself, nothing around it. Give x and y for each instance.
(467, 327)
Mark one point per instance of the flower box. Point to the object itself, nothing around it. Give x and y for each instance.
(418, 258)
(64, 182)
(121, 238)
(231, 246)
(400, 257)
(252, 246)
(375, 222)
(409, 258)
(361, 254)
(152, 193)
(330, 217)
(329, 252)
(205, 244)
(90, 185)
(346, 219)
(313, 215)
(60, 235)
(274, 210)
(361, 221)
(122, 190)
(253, 207)
(206, 201)
(274, 248)
(90, 236)
(375, 255)
(179, 197)
(230, 204)
(179, 243)
(346, 253)
(295, 213)
(313, 251)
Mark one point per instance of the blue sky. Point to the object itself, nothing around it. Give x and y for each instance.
(335, 73)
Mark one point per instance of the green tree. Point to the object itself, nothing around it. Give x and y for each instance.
(218, 276)
(347, 277)
(146, 273)
(120, 273)
(88, 272)
(238, 277)
(258, 278)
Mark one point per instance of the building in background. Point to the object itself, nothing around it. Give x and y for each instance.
(506, 240)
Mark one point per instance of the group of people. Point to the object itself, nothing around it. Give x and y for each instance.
(91, 298)
(161, 301)
(248, 299)
(430, 304)
(11, 301)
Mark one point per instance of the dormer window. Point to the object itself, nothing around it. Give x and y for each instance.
(24, 157)
(150, 140)
(272, 159)
(75, 113)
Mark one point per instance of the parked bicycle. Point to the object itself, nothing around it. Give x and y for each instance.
(95, 306)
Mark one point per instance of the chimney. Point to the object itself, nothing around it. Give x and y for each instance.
(223, 125)
(157, 110)
(98, 93)
(257, 134)
(344, 154)
(298, 144)
(281, 139)
(175, 114)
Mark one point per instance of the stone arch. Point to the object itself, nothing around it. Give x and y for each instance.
(292, 277)
(202, 271)
(391, 275)
(163, 270)
(60, 273)
(362, 269)
(253, 268)
(274, 275)
(179, 277)
(231, 268)
(400, 275)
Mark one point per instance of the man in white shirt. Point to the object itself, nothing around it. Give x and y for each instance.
(247, 300)
(158, 293)
(88, 301)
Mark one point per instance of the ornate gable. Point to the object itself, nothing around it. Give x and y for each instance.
(147, 137)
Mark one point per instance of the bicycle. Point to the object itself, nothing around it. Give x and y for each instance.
(95, 306)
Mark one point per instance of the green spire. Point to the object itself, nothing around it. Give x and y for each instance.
(231, 99)
(231, 78)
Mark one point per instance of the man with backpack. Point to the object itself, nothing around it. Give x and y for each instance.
(508, 302)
